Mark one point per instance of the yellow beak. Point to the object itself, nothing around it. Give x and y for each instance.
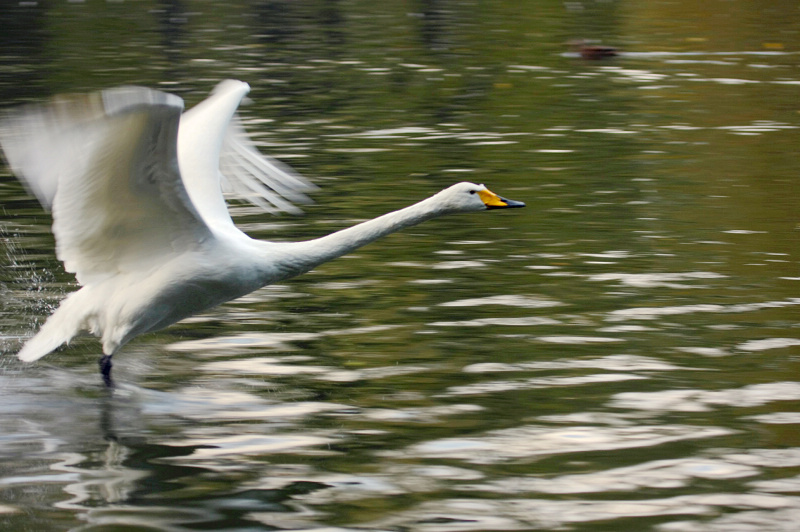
(493, 201)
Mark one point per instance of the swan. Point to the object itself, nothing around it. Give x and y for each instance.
(135, 186)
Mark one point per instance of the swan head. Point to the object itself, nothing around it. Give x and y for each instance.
(469, 197)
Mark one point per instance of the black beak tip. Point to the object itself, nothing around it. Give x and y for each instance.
(511, 204)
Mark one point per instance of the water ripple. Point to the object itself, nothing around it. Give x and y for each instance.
(768, 343)
(705, 400)
(209, 447)
(503, 300)
(659, 474)
(531, 441)
(525, 514)
(655, 280)
(611, 362)
(529, 321)
(491, 387)
(650, 313)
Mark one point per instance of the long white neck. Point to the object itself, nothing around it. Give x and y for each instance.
(304, 256)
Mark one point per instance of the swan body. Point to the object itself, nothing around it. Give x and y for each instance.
(135, 188)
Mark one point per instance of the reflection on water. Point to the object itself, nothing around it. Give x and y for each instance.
(620, 356)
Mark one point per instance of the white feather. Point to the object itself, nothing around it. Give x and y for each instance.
(139, 215)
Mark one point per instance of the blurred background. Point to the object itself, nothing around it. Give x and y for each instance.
(622, 354)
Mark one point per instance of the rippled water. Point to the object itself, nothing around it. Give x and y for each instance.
(621, 355)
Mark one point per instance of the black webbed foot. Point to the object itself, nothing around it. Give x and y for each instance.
(105, 370)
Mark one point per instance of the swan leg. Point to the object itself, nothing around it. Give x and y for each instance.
(105, 370)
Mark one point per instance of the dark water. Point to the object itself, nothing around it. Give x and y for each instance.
(621, 355)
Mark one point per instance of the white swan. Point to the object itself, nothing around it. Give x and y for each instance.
(139, 217)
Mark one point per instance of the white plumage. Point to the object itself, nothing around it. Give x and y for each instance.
(135, 188)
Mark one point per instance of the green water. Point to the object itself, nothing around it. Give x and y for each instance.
(622, 354)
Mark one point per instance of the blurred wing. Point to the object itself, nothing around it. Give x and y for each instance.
(216, 154)
(106, 164)
(38, 141)
(258, 178)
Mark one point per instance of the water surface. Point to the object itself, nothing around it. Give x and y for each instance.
(621, 355)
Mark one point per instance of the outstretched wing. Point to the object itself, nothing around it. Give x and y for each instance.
(106, 164)
(258, 178)
(216, 155)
